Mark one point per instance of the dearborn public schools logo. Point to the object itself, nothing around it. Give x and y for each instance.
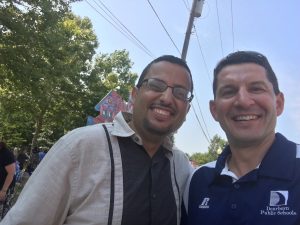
(278, 198)
(278, 205)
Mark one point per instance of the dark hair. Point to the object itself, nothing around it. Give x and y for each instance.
(2, 145)
(167, 58)
(246, 57)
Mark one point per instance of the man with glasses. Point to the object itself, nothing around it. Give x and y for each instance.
(123, 173)
(256, 179)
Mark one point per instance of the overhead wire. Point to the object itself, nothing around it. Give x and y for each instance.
(203, 121)
(205, 132)
(203, 58)
(207, 139)
(186, 5)
(119, 26)
(220, 35)
(163, 26)
(207, 136)
(125, 27)
(232, 30)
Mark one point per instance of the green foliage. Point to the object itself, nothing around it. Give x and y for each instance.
(214, 149)
(49, 81)
(216, 146)
(201, 158)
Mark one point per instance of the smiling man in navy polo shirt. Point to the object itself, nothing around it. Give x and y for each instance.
(256, 179)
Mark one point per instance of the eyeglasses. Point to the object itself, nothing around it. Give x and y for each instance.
(157, 85)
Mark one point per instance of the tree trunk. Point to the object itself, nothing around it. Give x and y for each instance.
(38, 128)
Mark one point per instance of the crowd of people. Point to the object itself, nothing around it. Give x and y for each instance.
(15, 168)
(129, 172)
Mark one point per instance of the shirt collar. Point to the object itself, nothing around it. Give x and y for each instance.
(277, 163)
(121, 128)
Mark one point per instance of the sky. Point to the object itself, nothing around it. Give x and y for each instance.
(271, 27)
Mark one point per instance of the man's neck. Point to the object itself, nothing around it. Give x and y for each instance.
(150, 142)
(245, 159)
(151, 148)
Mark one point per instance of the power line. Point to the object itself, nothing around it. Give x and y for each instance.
(203, 58)
(132, 35)
(163, 26)
(186, 5)
(122, 29)
(200, 125)
(202, 118)
(189, 31)
(232, 30)
(219, 27)
(206, 68)
(122, 25)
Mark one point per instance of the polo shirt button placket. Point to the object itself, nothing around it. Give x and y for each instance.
(233, 206)
(236, 186)
(153, 196)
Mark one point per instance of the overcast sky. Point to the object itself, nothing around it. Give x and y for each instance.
(271, 27)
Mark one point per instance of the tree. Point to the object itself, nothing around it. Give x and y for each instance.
(109, 72)
(50, 81)
(214, 149)
(216, 146)
(44, 50)
(201, 158)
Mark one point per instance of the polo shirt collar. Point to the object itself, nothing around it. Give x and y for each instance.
(122, 129)
(279, 162)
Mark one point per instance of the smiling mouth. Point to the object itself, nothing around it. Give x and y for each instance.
(245, 118)
(162, 112)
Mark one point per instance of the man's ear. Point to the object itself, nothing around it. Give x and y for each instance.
(279, 103)
(134, 92)
(188, 107)
(213, 109)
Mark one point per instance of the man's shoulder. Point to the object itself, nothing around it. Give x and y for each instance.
(88, 137)
(178, 151)
(179, 156)
(205, 172)
(7, 156)
(210, 166)
(87, 131)
(298, 151)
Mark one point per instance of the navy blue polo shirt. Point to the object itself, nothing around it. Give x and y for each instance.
(268, 195)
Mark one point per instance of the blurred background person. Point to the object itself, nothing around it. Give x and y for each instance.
(7, 176)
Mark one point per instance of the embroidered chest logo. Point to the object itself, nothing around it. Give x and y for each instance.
(278, 198)
(278, 205)
(204, 203)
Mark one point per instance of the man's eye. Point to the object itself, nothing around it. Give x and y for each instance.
(156, 87)
(181, 93)
(227, 93)
(257, 89)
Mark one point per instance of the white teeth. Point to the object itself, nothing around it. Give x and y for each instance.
(162, 112)
(246, 117)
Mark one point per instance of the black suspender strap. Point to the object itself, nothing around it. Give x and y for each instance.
(112, 178)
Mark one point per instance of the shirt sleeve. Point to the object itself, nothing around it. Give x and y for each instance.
(9, 158)
(46, 197)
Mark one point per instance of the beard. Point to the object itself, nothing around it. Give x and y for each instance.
(166, 131)
(156, 130)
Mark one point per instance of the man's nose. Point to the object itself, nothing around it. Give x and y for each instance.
(244, 98)
(167, 95)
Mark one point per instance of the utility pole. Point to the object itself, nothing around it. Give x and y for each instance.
(195, 12)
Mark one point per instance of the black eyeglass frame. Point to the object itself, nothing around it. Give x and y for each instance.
(189, 93)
